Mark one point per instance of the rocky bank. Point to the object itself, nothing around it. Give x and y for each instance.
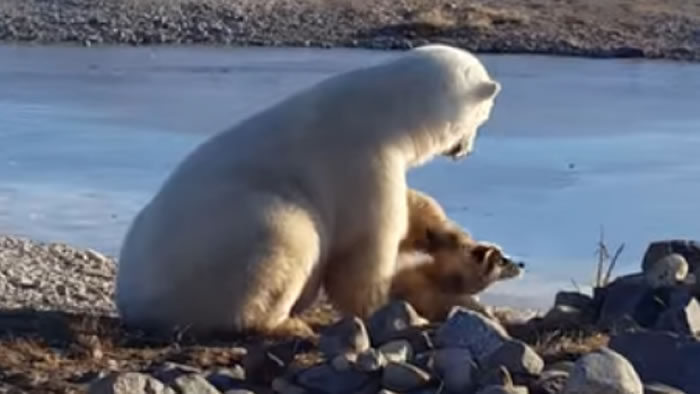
(595, 28)
(636, 334)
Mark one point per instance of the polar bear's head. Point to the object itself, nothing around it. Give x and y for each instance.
(446, 94)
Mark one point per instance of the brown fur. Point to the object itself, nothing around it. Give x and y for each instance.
(454, 274)
(428, 223)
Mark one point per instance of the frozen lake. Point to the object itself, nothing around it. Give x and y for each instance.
(87, 135)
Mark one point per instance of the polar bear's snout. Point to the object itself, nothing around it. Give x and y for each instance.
(459, 150)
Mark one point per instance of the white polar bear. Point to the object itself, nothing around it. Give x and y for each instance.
(308, 193)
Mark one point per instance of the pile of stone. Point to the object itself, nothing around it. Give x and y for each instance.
(653, 316)
(652, 319)
(396, 351)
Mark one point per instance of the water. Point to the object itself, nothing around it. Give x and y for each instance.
(87, 135)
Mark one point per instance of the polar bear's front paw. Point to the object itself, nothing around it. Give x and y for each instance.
(291, 328)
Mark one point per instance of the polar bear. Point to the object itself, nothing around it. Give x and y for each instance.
(307, 194)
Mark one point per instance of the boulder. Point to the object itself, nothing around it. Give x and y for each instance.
(404, 377)
(471, 330)
(517, 357)
(129, 383)
(326, 379)
(682, 312)
(656, 250)
(348, 335)
(603, 372)
(456, 368)
(392, 318)
(662, 357)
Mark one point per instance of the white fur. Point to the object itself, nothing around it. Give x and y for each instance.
(308, 193)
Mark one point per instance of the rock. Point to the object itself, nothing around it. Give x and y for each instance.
(563, 317)
(348, 335)
(193, 384)
(503, 390)
(656, 250)
(550, 382)
(668, 271)
(371, 360)
(495, 377)
(456, 367)
(662, 357)
(395, 316)
(517, 357)
(658, 388)
(574, 299)
(471, 330)
(603, 372)
(425, 360)
(169, 371)
(226, 378)
(628, 297)
(682, 313)
(343, 362)
(283, 386)
(403, 377)
(239, 391)
(399, 350)
(326, 379)
(564, 366)
(129, 383)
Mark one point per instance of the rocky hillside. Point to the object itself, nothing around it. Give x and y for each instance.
(597, 28)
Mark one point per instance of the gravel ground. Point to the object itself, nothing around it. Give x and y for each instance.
(595, 28)
(54, 277)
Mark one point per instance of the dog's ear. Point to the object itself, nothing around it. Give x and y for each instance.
(481, 253)
(437, 239)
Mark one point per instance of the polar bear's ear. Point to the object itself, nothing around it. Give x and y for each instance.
(487, 90)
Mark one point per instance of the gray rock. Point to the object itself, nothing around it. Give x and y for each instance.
(404, 377)
(456, 368)
(662, 357)
(471, 330)
(129, 383)
(348, 335)
(603, 372)
(371, 360)
(564, 366)
(343, 362)
(283, 386)
(226, 378)
(628, 297)
(169, 371)
(399, 350)
(239, 391)
(193, 384)
(495, 377)
(503, 390)
(425, 360)
(395, 316)
(682, 313)
(550, 382)
(517, 357)
(658, 388)
(574, 299)
(564, 317)
(326, 379)
(669, 271)
(656, 250)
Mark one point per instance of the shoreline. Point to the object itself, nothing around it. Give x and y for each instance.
(648, 29)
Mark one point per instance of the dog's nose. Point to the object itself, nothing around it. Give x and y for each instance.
(521, 265)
